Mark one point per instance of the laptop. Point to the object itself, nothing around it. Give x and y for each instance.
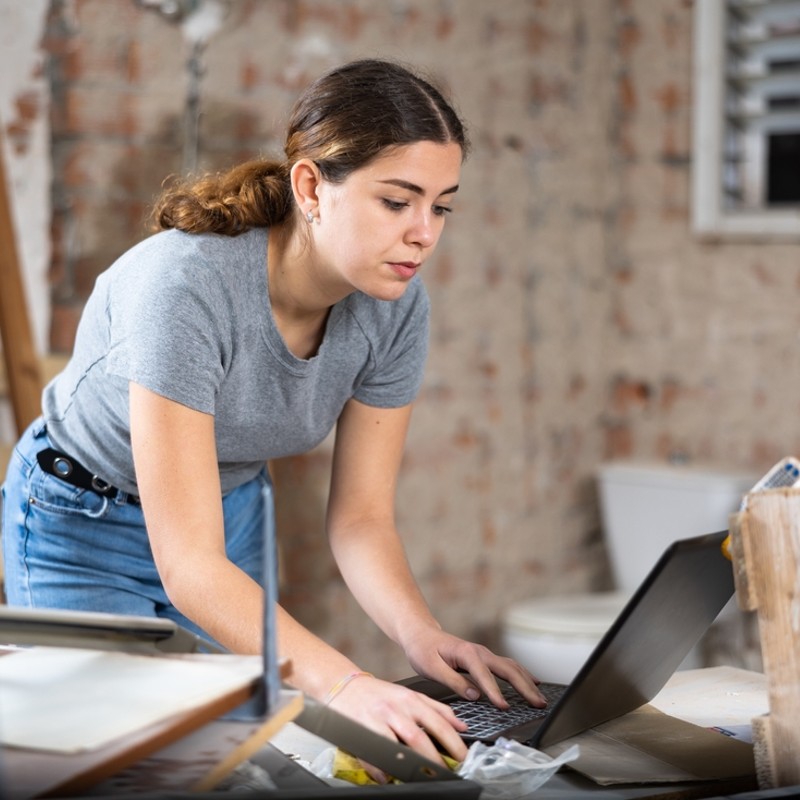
(665, 618)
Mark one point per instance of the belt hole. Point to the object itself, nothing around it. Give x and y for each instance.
(62, 467)
(99, 485)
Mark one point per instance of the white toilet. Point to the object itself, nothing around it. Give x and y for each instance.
(644, 507)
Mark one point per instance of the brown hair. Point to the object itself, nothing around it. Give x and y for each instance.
(343, 121)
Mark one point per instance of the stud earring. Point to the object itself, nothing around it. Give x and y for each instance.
(309, 217)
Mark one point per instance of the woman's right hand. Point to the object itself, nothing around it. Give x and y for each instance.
(404, 715)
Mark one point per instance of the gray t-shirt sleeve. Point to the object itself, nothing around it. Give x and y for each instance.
(169, 338)
(394, 374)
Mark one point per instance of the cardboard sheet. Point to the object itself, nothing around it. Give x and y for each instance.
(67, 700)
(647, 746)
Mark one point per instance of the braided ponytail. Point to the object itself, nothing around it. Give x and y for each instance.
(255, 194)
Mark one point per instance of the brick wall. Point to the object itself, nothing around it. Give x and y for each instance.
(576, 318)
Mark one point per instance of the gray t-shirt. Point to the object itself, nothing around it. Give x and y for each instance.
(188, 316)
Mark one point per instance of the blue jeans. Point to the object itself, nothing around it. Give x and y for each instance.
(69, 548)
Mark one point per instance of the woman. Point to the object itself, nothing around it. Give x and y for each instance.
(279, 300)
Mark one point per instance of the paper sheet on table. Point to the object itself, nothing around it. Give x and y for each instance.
(67, 700)
(723, 697)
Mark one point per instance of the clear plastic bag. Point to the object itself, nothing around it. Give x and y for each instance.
(508, 770)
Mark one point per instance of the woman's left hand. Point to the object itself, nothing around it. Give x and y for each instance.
(469, 669)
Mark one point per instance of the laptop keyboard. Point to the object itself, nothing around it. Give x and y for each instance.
(486, 721)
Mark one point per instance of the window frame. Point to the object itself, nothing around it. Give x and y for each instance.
(709, 215)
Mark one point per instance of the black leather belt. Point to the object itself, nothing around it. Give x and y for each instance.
(69, 470)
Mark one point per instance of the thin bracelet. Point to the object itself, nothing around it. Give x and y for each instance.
(343, 682)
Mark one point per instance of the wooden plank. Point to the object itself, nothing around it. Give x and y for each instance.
(762, 751)
(203, 757)
(21, 362)
(769, 545)
(740, 556)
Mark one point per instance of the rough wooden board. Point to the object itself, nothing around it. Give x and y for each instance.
(768, 551)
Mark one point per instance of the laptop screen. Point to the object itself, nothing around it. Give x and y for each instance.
(665, 618)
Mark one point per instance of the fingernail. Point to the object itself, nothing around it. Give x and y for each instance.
(472, 694)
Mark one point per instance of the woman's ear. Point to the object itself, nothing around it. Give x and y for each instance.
(306, 178)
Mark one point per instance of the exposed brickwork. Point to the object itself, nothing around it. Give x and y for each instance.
(575, 316)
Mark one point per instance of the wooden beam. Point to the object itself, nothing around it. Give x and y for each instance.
(19, 355)
(765, 540)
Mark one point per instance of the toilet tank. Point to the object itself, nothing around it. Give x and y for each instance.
(646, 506)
